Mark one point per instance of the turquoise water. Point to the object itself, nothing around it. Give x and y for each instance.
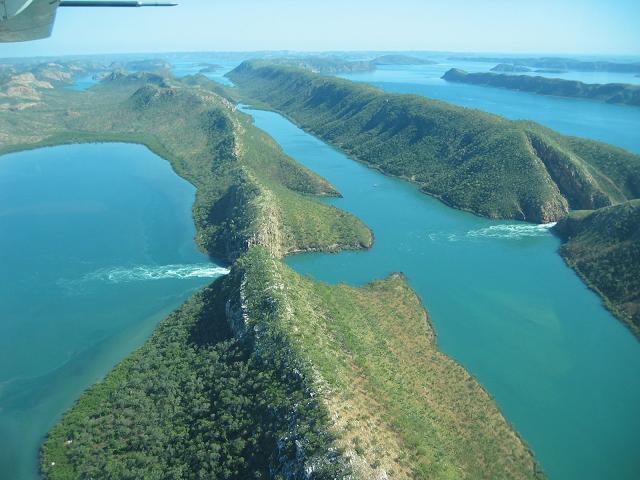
(182, 67)
(96, 246)
(83, 83)
(615, 124)
(562, 369)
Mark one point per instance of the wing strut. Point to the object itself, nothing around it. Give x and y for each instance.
(113, 3)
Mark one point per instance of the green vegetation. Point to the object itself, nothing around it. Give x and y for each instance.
(402, 408)
(335, 65)
(246, 184)
(326, 65)
(264, 374)
(268, 374)
(470, 159)
(603, 246)
(195, 402)
(148, 65)
(611, 93)
(557, 63)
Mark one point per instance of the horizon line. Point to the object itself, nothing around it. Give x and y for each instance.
(311, 51)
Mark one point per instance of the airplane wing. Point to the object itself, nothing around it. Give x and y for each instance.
(24, 20)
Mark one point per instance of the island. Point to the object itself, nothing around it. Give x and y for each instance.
(611, 92)
(558, 63)
(401, 60)
(509, 67)
(209, 68)
(260, 373)
(151, 65)
(334, 65)
(326, 65)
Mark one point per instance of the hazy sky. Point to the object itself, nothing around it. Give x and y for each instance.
(536, 26)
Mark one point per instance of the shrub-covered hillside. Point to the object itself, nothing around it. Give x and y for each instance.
(265, 374)
(470, 159)
(268, 374)
(603, 246)
(245, 183)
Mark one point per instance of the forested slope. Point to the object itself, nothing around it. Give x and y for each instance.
(470, 159)
(603, 246)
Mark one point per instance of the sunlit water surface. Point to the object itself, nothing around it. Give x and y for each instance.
(616, 124)
(96, 246)
(561, 368)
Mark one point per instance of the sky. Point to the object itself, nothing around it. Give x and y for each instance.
(514, 26)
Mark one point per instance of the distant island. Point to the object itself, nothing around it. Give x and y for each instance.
(209, 68)
(560, 64)
(610, 92)
(510, 67)
(150, 65)
(401, 60)
(335, 65)
(326, 65)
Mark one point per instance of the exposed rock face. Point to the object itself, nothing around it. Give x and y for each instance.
(576, 184)
(30, 80)
(23, 86)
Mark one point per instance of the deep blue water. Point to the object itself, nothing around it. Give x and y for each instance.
(96, 246)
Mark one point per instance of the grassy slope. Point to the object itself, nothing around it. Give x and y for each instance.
(176, 405)
(402, 407)
(603, 246)
(470, 159)
(611, 93)
(355, 366)
(235, 167)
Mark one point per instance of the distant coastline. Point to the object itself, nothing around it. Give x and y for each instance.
(611, 92)
(558, 63)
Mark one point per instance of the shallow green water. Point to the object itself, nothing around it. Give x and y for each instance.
(96, 246)
(562, 369)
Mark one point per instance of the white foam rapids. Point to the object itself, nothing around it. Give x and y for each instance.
(141, 273)
(513, 231)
